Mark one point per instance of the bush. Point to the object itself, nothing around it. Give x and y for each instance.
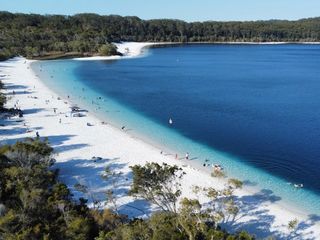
(108, 50)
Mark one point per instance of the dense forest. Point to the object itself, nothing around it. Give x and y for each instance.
(35, 36)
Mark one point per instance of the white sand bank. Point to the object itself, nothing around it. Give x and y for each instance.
(127, 49)
(75, 144)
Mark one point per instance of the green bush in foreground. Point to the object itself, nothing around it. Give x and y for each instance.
(36, 205)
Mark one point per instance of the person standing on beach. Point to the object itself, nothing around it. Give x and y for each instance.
(187, 156)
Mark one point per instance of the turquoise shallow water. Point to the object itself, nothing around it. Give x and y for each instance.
(115, 90)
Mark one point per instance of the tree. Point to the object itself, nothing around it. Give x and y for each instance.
(2, 100)
(199, 222)
(292, 227)
(192, 218)
(35, 205)
(38, 36)
(2, 96)
(108, 50)
(164, 226)
(5, 54)
(29, 153)
(235, 183)
(113, 178)
(79, 228)
(158, 184)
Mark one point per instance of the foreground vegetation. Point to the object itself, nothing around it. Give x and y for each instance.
(35, 205)
(2, 97)
(37, 36)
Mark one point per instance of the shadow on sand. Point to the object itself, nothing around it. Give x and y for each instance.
(32, 110)
(10, 86)
(18, 92)
(262, 220)
(88, 172)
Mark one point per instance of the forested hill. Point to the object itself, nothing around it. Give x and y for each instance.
(35, 35)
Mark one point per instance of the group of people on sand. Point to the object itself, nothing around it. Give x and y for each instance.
(217, 168)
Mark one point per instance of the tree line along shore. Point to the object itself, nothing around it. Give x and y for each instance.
(57, 36)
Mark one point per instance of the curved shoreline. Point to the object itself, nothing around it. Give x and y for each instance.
(138, 152)
(169, 148)
(138, 47)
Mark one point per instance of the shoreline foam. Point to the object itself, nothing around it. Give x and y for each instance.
(76, 143)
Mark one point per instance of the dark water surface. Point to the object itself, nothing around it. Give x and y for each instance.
(260, 103)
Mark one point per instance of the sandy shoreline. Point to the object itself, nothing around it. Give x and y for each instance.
(136, 49)
(75, 144)
(128, 49)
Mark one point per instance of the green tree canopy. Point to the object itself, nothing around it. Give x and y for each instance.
(158, 184)
(39, 36)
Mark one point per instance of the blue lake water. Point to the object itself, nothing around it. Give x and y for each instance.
(255, 109)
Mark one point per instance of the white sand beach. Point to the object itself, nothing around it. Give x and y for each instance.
(127, 49)
(75, 144)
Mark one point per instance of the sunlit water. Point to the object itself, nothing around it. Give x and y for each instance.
(253, 109)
